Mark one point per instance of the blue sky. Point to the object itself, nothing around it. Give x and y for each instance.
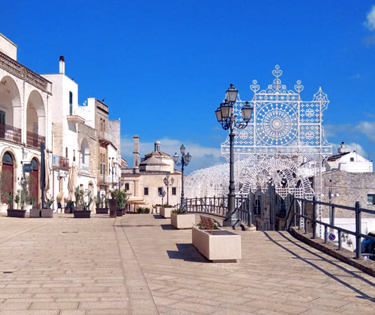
(163, 66)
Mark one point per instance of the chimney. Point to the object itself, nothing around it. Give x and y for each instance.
(157, 146)
(136, 153)
(62, 65)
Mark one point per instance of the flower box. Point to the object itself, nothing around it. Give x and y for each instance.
(183, 221)
(217, 245)
(34, 213)
(47, 213)
(101, 210)
(165, 212)
(119, 212)
(3, 208)
(82, 214)
(16, 213)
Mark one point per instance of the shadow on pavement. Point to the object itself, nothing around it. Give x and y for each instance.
(167, 227)
(186, 252)
(362, 295)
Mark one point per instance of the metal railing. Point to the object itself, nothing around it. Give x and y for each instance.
(10, 133)
(34, 140)
(298, 214)
(219, 206)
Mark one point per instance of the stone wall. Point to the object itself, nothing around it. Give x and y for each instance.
(350, 187)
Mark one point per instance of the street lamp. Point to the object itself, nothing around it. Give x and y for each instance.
(225, 115)
(168, 183)
(185, 160)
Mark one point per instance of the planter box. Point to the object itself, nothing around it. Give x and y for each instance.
(119, 212)
(34, 213)
(16, 213)
(217, 245)
(47, 213)
(68, 210)
(166, 212)
(183, 221)
(101, 210)
(83, 214)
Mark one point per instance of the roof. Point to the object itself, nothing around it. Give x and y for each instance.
(336, 157)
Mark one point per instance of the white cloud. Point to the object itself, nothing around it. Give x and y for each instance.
(202, 157)
(370, 20)
(367, 128)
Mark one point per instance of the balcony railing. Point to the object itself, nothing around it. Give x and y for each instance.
(10, 133)
(60, 162)
(34, 140)
(20, 71)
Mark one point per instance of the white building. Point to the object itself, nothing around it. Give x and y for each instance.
(348, 161)
(146, 181)
(25, 119)
(44, 108)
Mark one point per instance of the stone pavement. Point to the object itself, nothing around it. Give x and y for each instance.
(139, 264)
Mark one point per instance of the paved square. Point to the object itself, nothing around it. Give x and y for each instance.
(139, 264)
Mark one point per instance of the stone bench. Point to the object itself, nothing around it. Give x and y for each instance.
(216, 245)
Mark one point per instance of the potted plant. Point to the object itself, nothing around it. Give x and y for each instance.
(166, 210)
(83, 202)
(180, 219)
(100, 205)
(47, 211)
(19, 199)
(34, 212)
(69, 206)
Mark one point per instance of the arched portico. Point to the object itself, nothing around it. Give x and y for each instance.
(10, 107)
(35, 119)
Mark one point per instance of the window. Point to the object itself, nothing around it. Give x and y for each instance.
(174, 191)
(126, 186)
(145, 191)
(2, 117)
(160, 191)
(352, 159)
(66, 152)
(371, 199)
(70, 103)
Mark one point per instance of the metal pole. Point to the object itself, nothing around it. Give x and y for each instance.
(43, 173)
(357, 230)
(182, 182)
(168, 192)
(232, 195)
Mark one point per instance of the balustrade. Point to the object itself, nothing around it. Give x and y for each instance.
(34, 140)
(10, 133)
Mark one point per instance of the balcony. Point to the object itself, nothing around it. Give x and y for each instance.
(60, 162)
(104, 138)
(34, 140)
(10, 133)
(107, 179)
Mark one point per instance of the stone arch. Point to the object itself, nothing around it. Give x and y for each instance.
(35, 114)
(10, 100)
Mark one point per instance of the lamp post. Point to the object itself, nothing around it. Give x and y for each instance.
(225, 115)
(168, 183)
(185, 160)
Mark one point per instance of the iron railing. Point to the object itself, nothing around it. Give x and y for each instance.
(10, 133)
(219, 206)
(34, 140)
(298, 214)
